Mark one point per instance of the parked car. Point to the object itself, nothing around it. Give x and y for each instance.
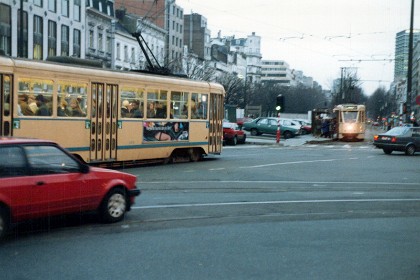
(269, 126)
(241, 121)
(306, 126)
(292, 123)
(232, 134)
(38, 179)
(403, 138)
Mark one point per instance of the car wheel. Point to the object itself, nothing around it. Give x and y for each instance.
(234, 141)
(387, 151)
(287, 135)
(4, 222)
(114, 206)
(254, 132)
(410, 150)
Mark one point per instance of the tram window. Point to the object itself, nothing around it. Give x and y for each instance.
(6, 94)
(349, 117)
(35, 97)
(179, 105)
(198, 106)
(71, 100)
(132, 103)
(157, 101)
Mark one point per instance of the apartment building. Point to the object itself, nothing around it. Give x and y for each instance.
(166, 15)
(401, 52)
(49, 28)
(276, 72)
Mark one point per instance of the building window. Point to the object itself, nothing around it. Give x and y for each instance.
(38, 3)
(100, 41)
(5, 29)
(52, 38)
(133, 55)
(118, 51)
(108, 43)
(91, 38)
(126, 53)
(76, 43)
(76, 10)
(65, 8)
(64, 40)
(23, 42)
(38, 37)
(52, 5)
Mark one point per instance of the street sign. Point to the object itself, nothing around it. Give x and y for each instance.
(418, 100)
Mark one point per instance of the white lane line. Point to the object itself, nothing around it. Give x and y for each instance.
(277, 182)
(274, 202)
(291, 162)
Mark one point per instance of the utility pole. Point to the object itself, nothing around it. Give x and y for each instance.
(410, 65)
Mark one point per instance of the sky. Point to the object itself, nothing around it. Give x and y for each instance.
(318, 37)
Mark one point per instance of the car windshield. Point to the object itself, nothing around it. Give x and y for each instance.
(398, 130)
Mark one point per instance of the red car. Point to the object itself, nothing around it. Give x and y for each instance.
(38, 178)
(232, 134)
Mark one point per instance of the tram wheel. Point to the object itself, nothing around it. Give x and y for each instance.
(195, 155)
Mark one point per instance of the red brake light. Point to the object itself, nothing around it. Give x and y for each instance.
(394, 139)
(375, 138)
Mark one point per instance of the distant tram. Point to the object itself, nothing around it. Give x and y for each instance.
(351, 121)
(107, 117)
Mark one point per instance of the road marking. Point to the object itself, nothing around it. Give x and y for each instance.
(294, 162)
(278, 182)
(274, 202)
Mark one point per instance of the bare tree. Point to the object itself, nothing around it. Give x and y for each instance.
(197, 69)
(233, 88)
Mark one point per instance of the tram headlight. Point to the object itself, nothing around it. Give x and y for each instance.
(349, 127)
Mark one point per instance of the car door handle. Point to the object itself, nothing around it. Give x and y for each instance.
(40, 183)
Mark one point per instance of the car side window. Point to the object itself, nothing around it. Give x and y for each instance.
(416, 132)
(12, 162)
(263, 121)
(49, 160)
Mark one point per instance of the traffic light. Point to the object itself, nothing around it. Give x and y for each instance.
(280, 103)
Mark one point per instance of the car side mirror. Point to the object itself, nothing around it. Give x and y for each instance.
(84, 168)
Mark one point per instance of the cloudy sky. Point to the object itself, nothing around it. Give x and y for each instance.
(317, 36)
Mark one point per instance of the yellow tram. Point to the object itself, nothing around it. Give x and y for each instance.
(109, 117)
(351, 121)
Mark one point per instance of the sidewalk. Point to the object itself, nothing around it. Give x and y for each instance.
(296, 141)
(303, 139)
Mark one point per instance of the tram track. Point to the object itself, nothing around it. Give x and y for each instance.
(207, 214)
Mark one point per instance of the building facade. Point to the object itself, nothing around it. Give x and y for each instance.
(276, 72)
(197, 36)
(401, 52)
(166, 15)
(49, 28)
(251, 48)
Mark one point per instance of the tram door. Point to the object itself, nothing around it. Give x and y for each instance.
(215, 123)
(6, 105)
(103, 136)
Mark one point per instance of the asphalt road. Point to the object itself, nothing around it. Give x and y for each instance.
(318, 211)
